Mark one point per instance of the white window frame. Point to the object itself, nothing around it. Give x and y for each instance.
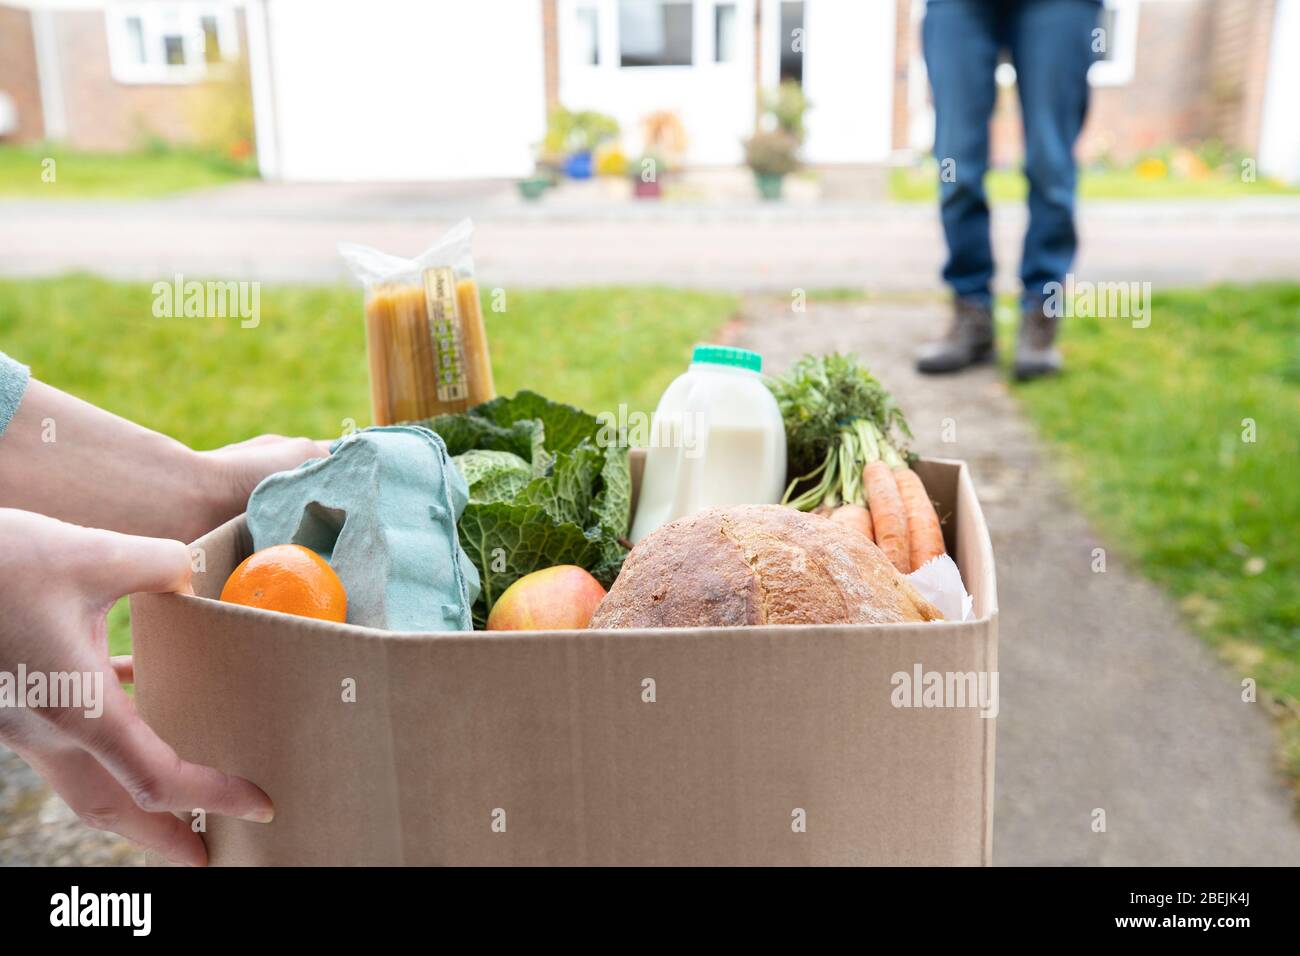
(609, 48)
(1119, 69)
(700, 43)
(160, 19)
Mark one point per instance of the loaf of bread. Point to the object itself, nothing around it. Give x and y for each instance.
(758, 564)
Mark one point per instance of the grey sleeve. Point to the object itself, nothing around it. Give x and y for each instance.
(14, 377)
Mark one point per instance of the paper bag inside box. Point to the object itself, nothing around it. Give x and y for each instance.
(762, 745)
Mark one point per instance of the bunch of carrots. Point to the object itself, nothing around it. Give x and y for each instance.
(838, 418)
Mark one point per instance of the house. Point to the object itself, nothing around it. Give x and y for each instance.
(102, 75)
(453, 89)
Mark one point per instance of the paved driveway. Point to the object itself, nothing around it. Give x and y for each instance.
(1107, 701)
(258, 231)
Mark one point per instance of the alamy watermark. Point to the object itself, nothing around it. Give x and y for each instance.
(74, 908)
(977, 690)
(688, 430)
(1098, 300)
(64, 690)
(192, 299)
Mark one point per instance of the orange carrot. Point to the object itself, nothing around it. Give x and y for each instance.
(855, 517)
(925, 539)
(887, 514)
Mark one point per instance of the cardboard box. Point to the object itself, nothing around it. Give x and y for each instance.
(765, 745)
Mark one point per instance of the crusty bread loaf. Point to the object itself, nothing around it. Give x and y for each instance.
(758, 564)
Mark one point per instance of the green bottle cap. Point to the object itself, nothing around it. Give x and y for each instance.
(726, 355)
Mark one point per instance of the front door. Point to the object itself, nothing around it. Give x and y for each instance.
(629, 58)
(843, 55)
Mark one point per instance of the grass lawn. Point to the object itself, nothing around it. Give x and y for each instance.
(921, 184)
(302, 370)
(1153, 422)
(25, 174)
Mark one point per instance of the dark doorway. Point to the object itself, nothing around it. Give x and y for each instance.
(792, 41)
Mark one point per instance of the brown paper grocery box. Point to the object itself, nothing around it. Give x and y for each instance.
(764, 745)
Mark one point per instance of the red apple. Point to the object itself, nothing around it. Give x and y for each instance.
(554, 599)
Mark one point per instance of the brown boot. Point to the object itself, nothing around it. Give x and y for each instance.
(968, 342)
(1036, 353)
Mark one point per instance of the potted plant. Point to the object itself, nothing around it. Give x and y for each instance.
(787, 106)
(548, 168)
(575, 135)
(610, 160)
(647, 173)
(773, 151)
(534, 186)
(771, 154)
(663, 135)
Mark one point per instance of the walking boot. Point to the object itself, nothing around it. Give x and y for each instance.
(969, 340)
(1036, 353)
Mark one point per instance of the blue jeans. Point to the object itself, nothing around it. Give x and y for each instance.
(1051, 44)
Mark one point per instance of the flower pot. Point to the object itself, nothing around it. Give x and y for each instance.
(533, 187)
(646, 190)
(551, 170)
(578, 165)
(769, 185)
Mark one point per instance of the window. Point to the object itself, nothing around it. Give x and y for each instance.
(724, 33)
(1107, 27)
(211, 39)
(1114, 44)
(174, 49)
(792, 42)
(169, 42)
(588, 36)
(655, 32)
(135, 37)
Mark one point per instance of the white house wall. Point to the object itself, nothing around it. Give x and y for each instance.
(393, 90)
(1279, 140)
(848, 76)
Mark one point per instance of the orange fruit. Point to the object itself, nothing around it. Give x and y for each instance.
(291, 579)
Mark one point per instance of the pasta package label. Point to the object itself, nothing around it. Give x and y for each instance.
(445, 329)
(426, 341)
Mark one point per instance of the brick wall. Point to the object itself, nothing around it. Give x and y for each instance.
(102, 113)
(1165, 100)
(18, 77)
(903, 41)
(1199, 74)
(551, 54)
(1237, 70)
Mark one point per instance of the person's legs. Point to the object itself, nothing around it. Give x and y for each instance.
(1051, 47)
(960, 40)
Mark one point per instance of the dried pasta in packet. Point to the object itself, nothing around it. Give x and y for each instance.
(425, 335)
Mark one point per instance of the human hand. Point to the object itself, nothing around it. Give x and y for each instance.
(65, 458)
(57, 583)
(234, 471)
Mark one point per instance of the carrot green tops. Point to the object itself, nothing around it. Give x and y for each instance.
(13, 383)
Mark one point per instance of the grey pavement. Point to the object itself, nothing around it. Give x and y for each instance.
(289, 233)
(1108, 702)
(38, 829)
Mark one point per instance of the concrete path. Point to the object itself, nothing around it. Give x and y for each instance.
(39, 829)
(259, 231)
(1107, 701)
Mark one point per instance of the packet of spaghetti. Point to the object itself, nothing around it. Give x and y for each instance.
(424, 329)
